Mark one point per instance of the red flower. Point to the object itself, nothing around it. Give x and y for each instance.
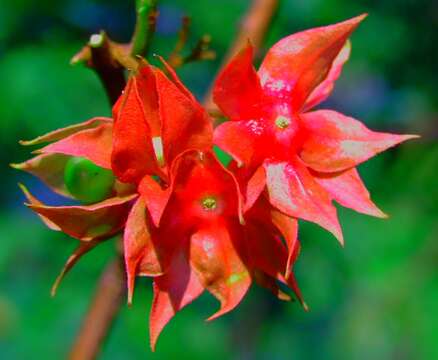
(153, 111)
(199, 240)
(307, 159)
(185, 225)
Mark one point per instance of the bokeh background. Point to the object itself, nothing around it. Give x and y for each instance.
(375, 299)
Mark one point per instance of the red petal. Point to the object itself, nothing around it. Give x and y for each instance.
(81, 250)
(49, 168)
(237, 89)
(198, 175)
(348, 190)
(184, 123)
(94, 144)
(270, 283)
(133, 154)
(336, 142)
(265, 250)
(67, 131)
(219, 266)
(245, 141)
(34, 201)
(294, 191)
(254, 187)
(268, 254)
(292, 283)
(146, 88)
(172, 291)
(324, 89)
(138, 247)
(155, 198)
(89, 222)
(288, 228)
(176, 80)
(297, 64)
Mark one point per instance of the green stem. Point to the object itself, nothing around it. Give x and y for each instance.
(144, 26)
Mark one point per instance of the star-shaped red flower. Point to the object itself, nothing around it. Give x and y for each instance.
(306, 159)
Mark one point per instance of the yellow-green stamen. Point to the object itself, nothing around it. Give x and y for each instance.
(282, 122)
(209, 203)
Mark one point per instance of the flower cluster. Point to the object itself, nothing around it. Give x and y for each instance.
(192, 224)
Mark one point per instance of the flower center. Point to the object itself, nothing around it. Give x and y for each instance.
(282, 122)
(209, 203)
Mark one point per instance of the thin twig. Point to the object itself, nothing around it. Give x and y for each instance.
(253, 27)
(145, 25)
(102, 311)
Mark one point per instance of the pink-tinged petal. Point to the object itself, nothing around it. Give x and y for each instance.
(245, 140)
(294, 191)
(298, 63)
(94, 144)
(172, 291)
(288, 227)
(34, 201)
(237, 90)
(155, 197)
(132, 155)
(270, 283)
(185, 124)
(81, 250)
(348, 190)
(336, 142)
(138, 246)
(67, 131)
(89, 222)
(49, 168)
(254, 187)
(217, 261)
(325, 88)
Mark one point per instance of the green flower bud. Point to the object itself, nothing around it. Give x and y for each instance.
(86, 181)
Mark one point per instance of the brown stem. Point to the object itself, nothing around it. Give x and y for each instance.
(109, 71)
(103, 309)
(253, 27)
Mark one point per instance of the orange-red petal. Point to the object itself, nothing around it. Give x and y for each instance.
(94, 144)
(172, 291)
(133, 155)
(62, 133)
(88, 222)
(237, 90)
(217, 260)
(138, 246)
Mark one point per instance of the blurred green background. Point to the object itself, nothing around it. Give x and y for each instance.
(375, 299)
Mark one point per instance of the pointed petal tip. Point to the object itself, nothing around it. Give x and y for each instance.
(340, 239)
(380, 214)
(305, 306)
(54, 289)
(56, 283)
(410, 137)
(16, 166)
(219, 313)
